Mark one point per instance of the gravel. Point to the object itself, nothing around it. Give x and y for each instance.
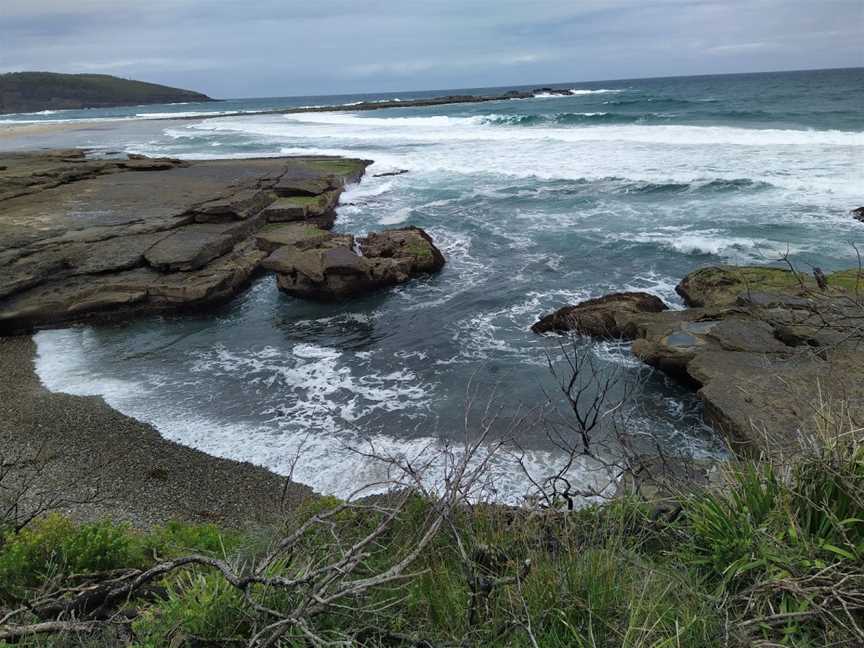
(106, 465)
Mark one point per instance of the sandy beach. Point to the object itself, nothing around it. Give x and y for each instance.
(19, 131)
(107, 465)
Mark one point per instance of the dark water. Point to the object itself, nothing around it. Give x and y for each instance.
(536, 203)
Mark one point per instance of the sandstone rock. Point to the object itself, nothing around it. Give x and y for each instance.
(298, 208)
(313, 185)
(97, 257)
(318, 265)
(129, 293)
(95, 239)
(237, 206)
(773, 407)
(606, 317)
(410, 244)
(302, 235)
(725, 285)
(192, 247)
(763, 348)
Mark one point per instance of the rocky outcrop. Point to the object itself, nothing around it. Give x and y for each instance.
(609, 316)
(99, 239)
(84, 238)
(858, 214)
(726, 285)
(313, 263)
(767, 349)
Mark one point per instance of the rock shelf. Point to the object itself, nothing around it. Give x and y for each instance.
(771, 354)
(83, 238)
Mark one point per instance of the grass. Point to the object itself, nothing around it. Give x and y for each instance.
(774, 558)
(851, 281)
(419, 249)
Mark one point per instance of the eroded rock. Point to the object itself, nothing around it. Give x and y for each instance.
(726, 285)
(82, 238)
(606, 317)
(766, 348)
(313, 263)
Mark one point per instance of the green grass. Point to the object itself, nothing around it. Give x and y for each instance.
(421, 250)
(768, 544)
(851, 281)
(338, 166)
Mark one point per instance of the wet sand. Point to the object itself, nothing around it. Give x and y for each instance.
(80, 134)
(103, 464)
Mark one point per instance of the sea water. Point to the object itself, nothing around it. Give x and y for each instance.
(536, 203)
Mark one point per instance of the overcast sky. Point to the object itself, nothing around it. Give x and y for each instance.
(245, 48)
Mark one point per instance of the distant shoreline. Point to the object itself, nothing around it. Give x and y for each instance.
(8, 129)
(11, 131)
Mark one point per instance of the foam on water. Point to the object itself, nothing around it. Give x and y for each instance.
(658, 154)
(333, 456)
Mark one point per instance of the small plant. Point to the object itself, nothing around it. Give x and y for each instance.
(54, 544)
(729, 530)
(198, 607)
(177, 538)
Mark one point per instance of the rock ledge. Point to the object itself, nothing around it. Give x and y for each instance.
(767, 349)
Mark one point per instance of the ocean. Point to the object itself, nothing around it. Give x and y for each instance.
(536, 203)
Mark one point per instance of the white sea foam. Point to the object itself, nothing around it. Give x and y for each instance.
(398, 216)
(191, 113)
(575, 92)
(311, 427)
(714, 242)
(639, 153)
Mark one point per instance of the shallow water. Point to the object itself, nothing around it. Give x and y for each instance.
(536, 204)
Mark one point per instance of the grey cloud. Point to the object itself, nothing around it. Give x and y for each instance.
(273, 47)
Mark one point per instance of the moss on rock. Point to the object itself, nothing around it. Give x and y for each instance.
(717, 286)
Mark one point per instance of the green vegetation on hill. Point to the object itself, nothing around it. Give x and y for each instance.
(774, 559)
(35, 91)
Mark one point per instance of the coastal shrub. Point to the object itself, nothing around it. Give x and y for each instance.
(815, 513)
(768, 558)
(728, 530)
(199, 607)
(54, 544)
(611, 597)
(786, 544)
(177, 538)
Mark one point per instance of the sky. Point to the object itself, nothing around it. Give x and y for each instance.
(266, 48)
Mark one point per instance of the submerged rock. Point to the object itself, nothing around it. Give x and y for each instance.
(858, 214)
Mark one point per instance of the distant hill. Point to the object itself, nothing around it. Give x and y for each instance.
(35, 91)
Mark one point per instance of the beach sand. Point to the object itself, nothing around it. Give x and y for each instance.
(80, 133)
(103, 464)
